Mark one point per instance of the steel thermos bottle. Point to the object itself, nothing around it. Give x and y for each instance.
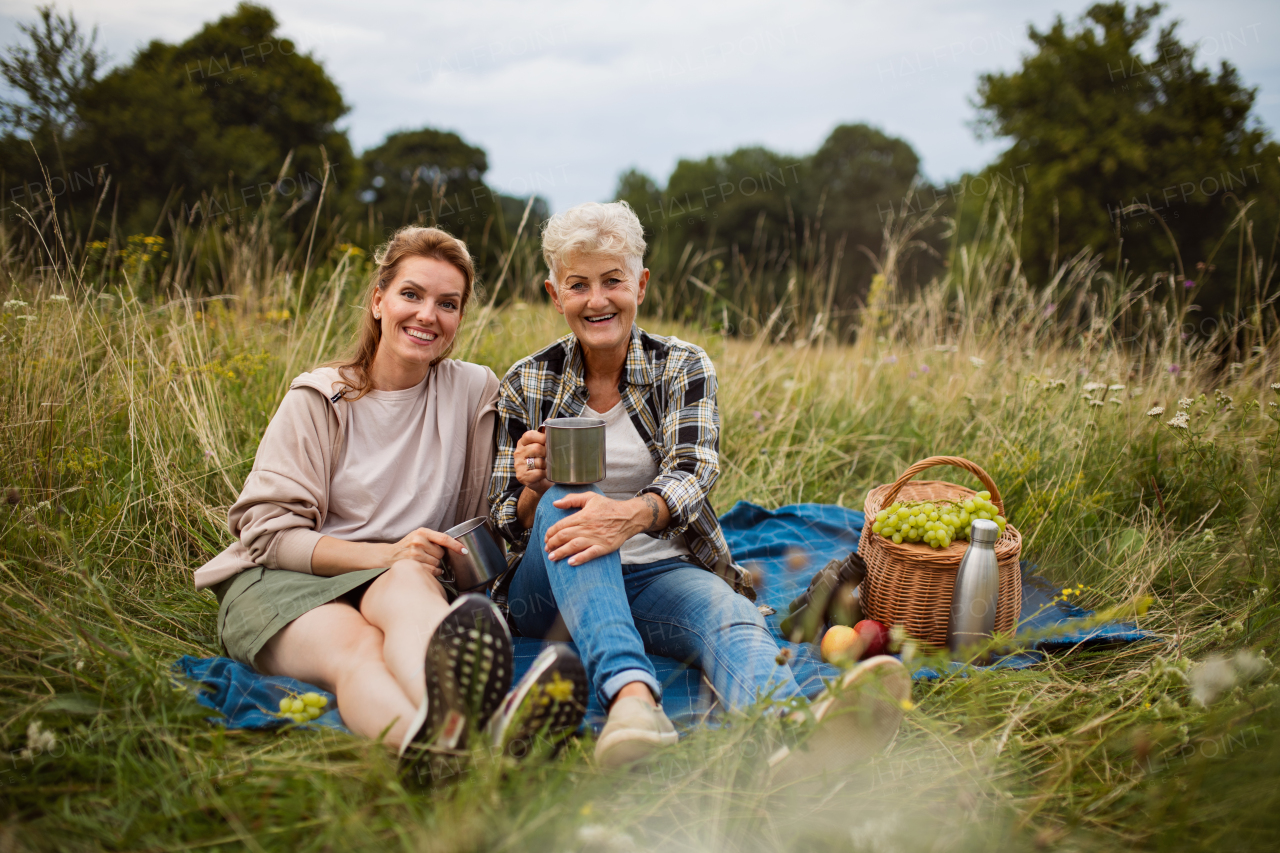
(977, 591)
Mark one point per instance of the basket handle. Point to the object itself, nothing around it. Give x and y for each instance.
(958, 462)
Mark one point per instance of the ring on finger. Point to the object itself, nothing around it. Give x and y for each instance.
(531, 462)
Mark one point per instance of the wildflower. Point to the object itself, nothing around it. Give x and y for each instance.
(1155, 411)
(907, 705)
(975, 361)
(38, 740)
(924, 368)
(1115, 387)
(1210, 679)
(1094, 386)
(1275, 386)
(14, 304)
(890, 359)
(1116, 400)
(1179, 421)
(1174, 369)
(945, 348)
(1096, 403)
(57, 297)
(784, 655)
(1188, 283)
(911, 375)
(1185, 403)
(1249, 665)
(27, 317)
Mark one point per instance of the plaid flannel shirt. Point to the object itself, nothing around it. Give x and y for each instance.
(669, 390)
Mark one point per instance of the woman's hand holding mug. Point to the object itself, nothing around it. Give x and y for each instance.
(531, 461)
(426, 548)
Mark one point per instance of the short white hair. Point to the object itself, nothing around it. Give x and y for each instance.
(593, 228)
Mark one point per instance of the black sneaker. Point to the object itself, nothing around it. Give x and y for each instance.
(468, 671)
(549, 702)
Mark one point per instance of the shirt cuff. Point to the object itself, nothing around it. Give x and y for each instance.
(293, 549)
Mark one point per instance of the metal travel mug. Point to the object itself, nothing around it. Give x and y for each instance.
(976, 593)
(575, 450)
(484, 559)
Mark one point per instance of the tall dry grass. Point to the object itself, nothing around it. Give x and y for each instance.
(136, 394)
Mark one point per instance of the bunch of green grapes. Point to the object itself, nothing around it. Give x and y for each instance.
(304, 708)
(936, 523)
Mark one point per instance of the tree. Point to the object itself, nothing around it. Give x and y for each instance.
(206, 125)
(50, 75)
(427, 177)
(1096, 128)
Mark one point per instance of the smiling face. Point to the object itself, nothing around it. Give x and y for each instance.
(419, 314)
(598, 296)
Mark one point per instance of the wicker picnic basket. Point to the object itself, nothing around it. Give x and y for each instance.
(911, 583)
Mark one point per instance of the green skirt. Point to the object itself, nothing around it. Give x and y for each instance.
(254, 605)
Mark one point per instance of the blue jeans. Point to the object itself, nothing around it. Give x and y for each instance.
(615, 613)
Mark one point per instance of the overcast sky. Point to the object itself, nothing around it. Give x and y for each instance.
(564, 96)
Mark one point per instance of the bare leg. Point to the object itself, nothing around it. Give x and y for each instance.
(336, 648)
(407, 604)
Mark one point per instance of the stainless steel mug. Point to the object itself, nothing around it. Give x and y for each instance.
(484, 559)
(575, 450)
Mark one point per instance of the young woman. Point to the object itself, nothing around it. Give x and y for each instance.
(335, 577)
(638, 562)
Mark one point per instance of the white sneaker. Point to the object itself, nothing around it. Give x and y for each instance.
(854, 722)
(634, 729)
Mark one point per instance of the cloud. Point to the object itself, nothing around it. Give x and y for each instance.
(585, 90)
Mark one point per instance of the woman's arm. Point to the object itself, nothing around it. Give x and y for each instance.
(690, 438)
(425, 547)
(512, 504)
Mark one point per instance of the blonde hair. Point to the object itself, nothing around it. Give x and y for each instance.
(412, 241)
(594, 229)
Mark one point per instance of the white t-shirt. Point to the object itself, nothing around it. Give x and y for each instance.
(400, 466)
(628, 469)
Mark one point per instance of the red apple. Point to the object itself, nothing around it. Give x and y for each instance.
(876, 636)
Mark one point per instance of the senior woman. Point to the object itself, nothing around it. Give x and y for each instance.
(638, 562)
(335, 577)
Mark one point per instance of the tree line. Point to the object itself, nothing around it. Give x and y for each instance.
(1152, 159)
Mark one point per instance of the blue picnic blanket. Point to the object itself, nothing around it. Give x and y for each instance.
(786, 546)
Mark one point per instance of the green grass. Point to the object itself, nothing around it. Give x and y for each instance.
(128, 425)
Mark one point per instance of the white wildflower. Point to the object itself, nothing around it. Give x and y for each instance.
(1250, 665)
(945, 348)
(1116, 400)
(58, 297)
(14, 304)
(1275, 386)
(1179, 421)
(1211, 678)
(593, 836)
(1096, 403)
(27, 317)
(38, 740)
(1094, 386)
(1185, 403)
(975, 361)
(1155, 411)
(1115, 387)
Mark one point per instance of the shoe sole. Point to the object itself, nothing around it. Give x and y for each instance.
(538, 713)
(854, 725)
(468, 671)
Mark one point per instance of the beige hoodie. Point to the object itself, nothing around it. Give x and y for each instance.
(285, 499)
